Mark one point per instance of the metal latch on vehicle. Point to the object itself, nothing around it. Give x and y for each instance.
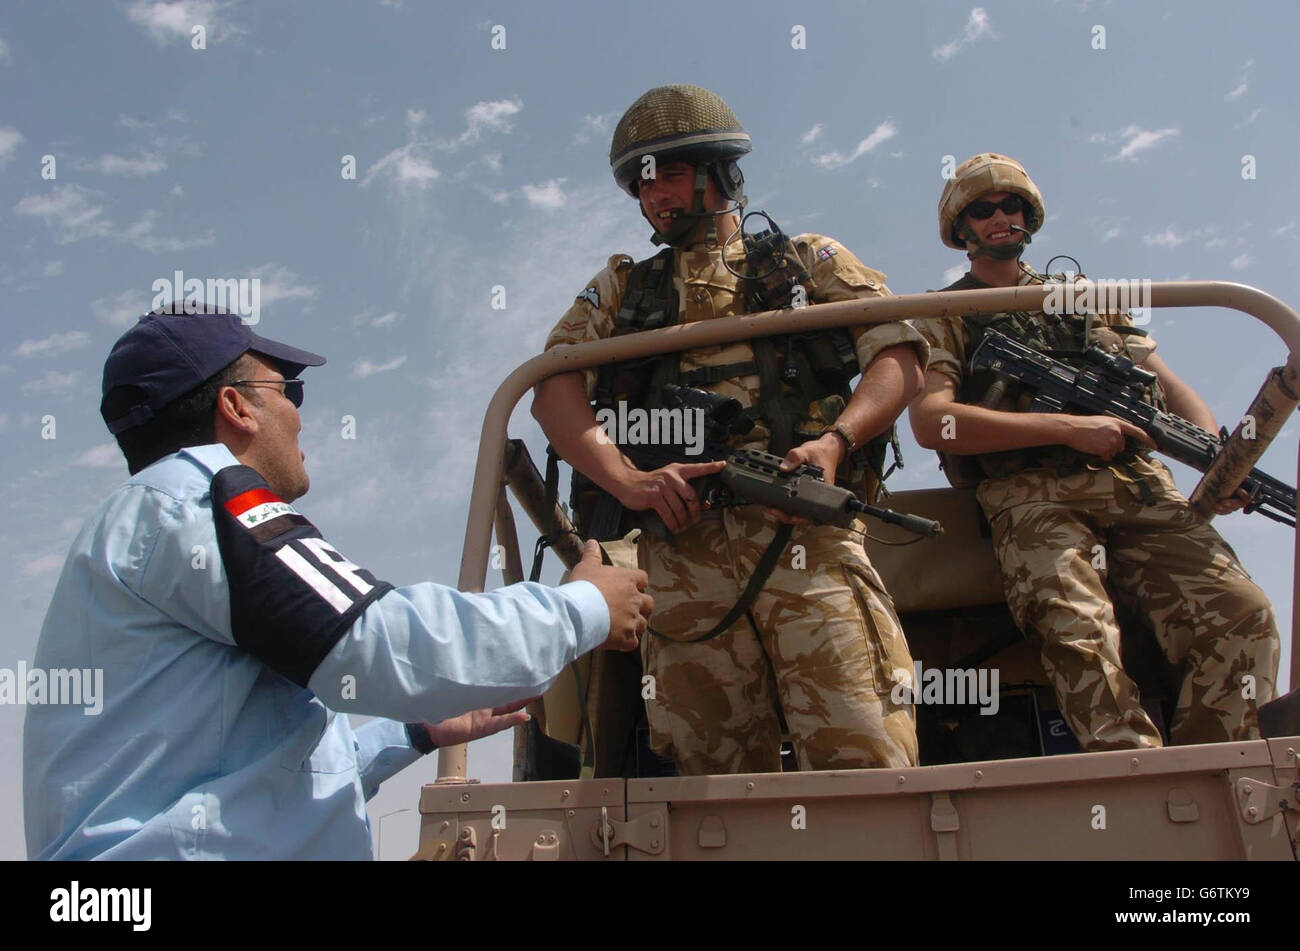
(645, 833)
(1260, 800)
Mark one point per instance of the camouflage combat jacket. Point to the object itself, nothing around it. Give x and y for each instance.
(954, 339)
(705, 289)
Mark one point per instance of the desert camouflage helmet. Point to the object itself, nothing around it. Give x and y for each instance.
(675, 123)
(979, 175)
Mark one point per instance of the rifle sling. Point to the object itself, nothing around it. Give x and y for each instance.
(762, 571)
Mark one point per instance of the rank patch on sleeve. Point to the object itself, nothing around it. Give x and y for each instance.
(826, 253)
(591, 296)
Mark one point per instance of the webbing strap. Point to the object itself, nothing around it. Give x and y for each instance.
(762, 571)
(547, 538)
(706, 376)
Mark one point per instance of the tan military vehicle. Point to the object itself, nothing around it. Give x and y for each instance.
(992, 786)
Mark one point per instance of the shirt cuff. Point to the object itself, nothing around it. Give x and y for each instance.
(592, 610)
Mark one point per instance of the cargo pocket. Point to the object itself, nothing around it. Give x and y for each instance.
(891, 660)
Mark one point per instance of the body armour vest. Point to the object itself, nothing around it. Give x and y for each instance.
(1061, 336)
(792, 387)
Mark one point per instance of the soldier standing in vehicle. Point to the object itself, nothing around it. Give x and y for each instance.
(1058, 489)
(820, 645)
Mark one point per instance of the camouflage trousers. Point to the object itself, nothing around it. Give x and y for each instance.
(1069, 544)
(821, 650)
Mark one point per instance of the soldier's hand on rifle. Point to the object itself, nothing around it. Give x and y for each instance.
(1101, 436)
(1230, 503)
(826, 453)
(624, 592)
(668, 492)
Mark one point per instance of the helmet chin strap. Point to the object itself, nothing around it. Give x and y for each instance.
(998, 252)
(685, 223)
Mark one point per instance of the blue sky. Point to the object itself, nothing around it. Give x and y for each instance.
(479, 167)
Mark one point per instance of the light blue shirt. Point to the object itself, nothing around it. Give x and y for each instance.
(200, 750)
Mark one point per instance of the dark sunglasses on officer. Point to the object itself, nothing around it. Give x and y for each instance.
(982, 210)
(292, 388)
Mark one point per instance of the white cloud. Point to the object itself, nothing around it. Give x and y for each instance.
(1285, 229)
(123, 310)
(1255, 115)
(279, 283)
(52, 383)
(142, 234)
(977, 27)
(170, 117)
(548, 195)
(177, 192)
(404, 167)
(4, 50)
(811, 135)
(74, 214)
(1112, 233)
(109, 164)
(1238, 92)
(484, 116)
(104, 456)
(1169, 238)
(1240, 262)
(1136, 141)
(70, 210)
(882, 133)
(52, 345)
(10, 139)
(176, 20)
(595, 127)
(954, 273)
(365, 368)
(52, 269)
(366, 319)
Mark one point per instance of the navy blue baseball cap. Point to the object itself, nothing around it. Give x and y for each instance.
(167, 355)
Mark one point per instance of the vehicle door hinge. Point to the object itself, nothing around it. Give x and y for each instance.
(645, 833)
(1259, 800)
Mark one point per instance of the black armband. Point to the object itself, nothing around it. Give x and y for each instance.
(292, 595)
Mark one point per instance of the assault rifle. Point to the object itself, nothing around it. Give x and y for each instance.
(1107, 385)
(752, 476)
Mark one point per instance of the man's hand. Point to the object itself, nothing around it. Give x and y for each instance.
(827, 452)
(1101, 436)
(1230, 503)
(623, 590)
(668, 492)
(478, 723)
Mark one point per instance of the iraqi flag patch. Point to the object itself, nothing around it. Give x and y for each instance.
(263, 513)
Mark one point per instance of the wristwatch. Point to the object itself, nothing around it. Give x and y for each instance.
(845, 433)
(420, 739)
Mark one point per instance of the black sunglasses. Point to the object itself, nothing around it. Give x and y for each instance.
(292, 388)
(980, 210)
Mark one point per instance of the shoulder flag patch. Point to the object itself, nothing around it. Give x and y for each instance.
(826, 253)
(263, 513)
(591, 296)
